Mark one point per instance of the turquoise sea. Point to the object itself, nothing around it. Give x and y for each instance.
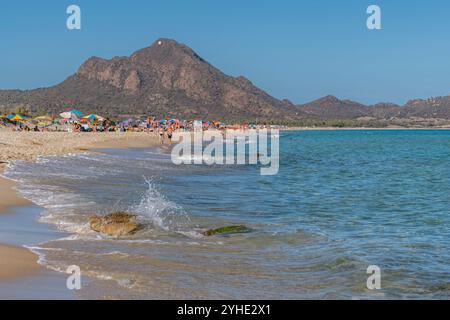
(342, 201)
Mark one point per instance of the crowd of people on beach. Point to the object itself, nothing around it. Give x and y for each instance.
(75, 121)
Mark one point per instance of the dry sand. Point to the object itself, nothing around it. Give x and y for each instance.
(18, 262)
(29, 145)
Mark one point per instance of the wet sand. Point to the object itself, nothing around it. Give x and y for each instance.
(8, 196)
(17, 262)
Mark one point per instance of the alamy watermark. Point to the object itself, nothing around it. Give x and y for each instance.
(374, 280)
(74, 280)
(233, 147)
(74, 20)
(374, 20)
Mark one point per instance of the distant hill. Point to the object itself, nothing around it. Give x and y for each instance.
(168, 79)
(330, 107)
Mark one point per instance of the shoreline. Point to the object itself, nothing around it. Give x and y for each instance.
(22, 263)
(9, 197)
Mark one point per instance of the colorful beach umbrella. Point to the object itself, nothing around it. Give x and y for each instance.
(17, 117)
(76, 112)
(94, 117)
(68, 115)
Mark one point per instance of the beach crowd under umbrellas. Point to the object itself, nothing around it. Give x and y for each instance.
(75, 121)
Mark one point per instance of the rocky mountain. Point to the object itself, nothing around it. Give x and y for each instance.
(438, 107)
(168, 79)
(165, 79)
(331, 107)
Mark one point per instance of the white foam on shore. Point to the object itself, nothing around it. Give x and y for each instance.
(37, 251)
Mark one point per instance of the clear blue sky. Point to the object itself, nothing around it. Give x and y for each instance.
(300, 50)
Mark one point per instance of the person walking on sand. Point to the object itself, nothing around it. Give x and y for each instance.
(170, 134)
(161, 135)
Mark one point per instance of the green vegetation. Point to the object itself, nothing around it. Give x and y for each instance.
(331, 123)
(222, 230)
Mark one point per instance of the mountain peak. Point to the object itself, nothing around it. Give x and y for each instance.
(168, 77)
(165, 49)
(328, 99)
(167, 42)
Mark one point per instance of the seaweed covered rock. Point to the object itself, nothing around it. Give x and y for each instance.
(225, 230)
(115, 224)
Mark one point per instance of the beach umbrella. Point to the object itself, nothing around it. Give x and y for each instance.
(44, 118)
(17, 117)
(76, 112)
(68, 115)
(72, 114)
(93, 117)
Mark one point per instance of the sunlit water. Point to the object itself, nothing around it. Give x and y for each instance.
(343, 200)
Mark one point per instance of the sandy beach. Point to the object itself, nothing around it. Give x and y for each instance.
(30, 145)
(17, 262)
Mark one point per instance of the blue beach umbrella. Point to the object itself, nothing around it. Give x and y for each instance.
(76, 112)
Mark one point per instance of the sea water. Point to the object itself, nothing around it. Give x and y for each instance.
(341, 202)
